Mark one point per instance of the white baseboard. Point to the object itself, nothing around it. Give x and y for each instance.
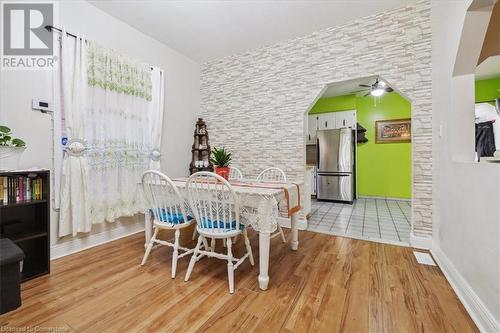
(79, 244)
(418, 242)
(478, 311)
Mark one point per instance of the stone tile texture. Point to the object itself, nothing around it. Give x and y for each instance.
(254, 102)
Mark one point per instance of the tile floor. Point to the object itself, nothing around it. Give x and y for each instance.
(380, 220)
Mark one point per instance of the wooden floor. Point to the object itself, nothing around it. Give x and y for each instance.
(331, 284)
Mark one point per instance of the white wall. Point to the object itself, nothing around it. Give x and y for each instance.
(17, 88)
(466, 194)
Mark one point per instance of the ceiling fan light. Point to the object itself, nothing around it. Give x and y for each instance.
(377, 92)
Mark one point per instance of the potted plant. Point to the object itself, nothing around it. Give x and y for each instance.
(221, 159)
(8, 144)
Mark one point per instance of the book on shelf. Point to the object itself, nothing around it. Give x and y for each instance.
(19, 189)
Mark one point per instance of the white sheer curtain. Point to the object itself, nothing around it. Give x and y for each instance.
(74, 207)
(156, 115)
(121, 135)
(118, 131)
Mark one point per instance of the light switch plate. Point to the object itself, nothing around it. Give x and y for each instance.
(41, 105)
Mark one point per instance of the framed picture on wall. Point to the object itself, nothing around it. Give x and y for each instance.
(393, 131)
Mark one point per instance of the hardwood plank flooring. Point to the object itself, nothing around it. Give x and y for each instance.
(332, 284)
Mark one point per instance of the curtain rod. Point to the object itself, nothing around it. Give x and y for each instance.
(51, 28)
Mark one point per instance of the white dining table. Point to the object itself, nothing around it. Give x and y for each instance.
(259, 202)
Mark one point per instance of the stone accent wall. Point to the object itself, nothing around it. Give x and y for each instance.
(254, 103)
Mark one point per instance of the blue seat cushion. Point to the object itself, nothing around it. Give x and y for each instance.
(209, 224)
(173, 218)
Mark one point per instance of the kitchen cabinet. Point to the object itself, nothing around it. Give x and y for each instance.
(312, 127)
(345, 119)
(326, 121)
(311, 175)
(305, 197)
(330, 120)
(309, 187)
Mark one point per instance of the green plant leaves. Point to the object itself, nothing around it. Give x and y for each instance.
(7, 140)
(221, 157)
(18, 142)
(4, 129)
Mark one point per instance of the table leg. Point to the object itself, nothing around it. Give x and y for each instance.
(294, 221)
(148, 228)
(264, 243)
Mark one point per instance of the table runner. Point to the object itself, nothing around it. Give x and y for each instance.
(278, 186)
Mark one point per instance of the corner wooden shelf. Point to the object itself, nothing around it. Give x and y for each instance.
(27, 224)
(200, 137)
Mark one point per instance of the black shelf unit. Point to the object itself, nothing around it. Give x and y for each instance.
(27, 224)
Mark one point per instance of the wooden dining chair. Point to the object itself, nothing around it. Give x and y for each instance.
(216, 208)
(274, 175)
(235, 173)
(168, 210)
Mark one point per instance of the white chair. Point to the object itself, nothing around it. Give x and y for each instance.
(235, 173)
(274, 175)
(167, 207)
(217, 211)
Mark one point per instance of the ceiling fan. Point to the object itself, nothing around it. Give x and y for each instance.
(378, 88)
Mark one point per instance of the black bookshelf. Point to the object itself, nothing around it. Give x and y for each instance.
(26, 222)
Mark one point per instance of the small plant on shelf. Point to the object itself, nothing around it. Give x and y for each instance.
(221, 158)
(9, 145)
(7, 140)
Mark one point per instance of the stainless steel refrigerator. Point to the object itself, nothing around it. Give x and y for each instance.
(335, 165)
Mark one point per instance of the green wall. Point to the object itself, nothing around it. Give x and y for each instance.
(383, 169)
(338, 103)
(487, 90)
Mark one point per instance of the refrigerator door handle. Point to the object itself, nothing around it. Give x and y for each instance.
(317, 153)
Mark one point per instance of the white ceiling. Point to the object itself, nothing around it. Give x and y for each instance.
(488, 69)
(348, 87)
(210, 29)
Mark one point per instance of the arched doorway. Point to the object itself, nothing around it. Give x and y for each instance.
(379, 208)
